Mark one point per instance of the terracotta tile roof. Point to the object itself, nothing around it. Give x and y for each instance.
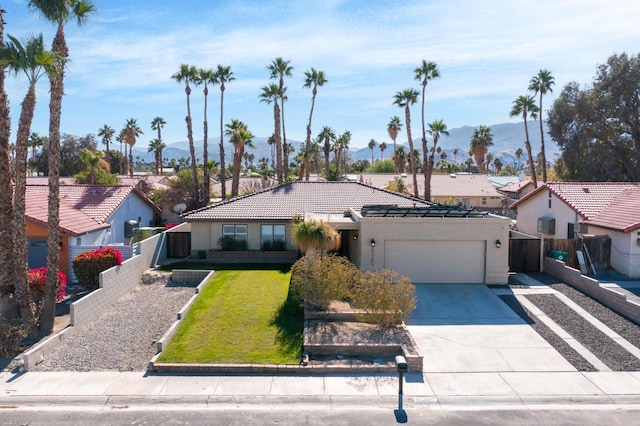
(586, 198)
(72, 220)
(96, 201)
(454, 185)
(622, 214)
(516, 187)
(287, 200)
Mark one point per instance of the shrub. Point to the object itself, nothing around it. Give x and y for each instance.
(230, 243)
(37, 280)
(274, 246)
(386, 297)
(319, 279)
(13, 331)
(170, 225)
(89, 264)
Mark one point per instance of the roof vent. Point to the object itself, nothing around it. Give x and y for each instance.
(452, 175)
(586, 190)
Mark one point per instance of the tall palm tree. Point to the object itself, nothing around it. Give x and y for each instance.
(518, 155)
(223, 76)
(542, 83)
(7, 258)
(327, 136)
(206, 77)
(382, 147)
(481, 140)
(187, 75)
(342, 151)
(106, 133)
(240, 137)
(59, 13)
(272, 93)
(405, 99)
(32, 60)
(157, 124)
(34, 142)
(423, 73)
(314, 79)
(393, 128)
(157, 146)
(489, 161)
(525, 106)
(132, 131)
(122, 138)
(372, 145)
(279, 69)
(436, 129)
(400, 159)
(455, 155)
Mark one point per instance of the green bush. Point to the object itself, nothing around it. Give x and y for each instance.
(12, 334)
(88, 265)
(382, 166)
(386, 297)
(319, 279)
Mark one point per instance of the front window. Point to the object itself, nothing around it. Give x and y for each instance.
(273, 237)
(234, 237)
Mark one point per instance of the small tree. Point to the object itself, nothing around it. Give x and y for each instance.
(385, 297)
(313, 235)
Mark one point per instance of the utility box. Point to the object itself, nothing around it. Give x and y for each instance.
(130, 228)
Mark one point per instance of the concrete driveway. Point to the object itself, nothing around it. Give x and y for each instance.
(467, 328)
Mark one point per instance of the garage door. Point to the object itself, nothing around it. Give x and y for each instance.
(437, 261)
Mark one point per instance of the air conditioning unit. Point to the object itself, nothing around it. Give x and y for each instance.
(582, 228)
(547, 225)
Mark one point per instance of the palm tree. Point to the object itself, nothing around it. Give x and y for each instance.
(342, 151)
(393, 128)
(525, 105)
(518, 155)
(271, 93)
(313, 236)
(157, 146)
(382, 147)
(436, 129)
(372, 145)
(35, 141)
(327, 135)
(106, 133)
(314, 79)
(92, 160)
(206, 77)
(480, 142)
(488, 161)
(59, 13)
(542, 83)
(157, 124)
(223, 75)
(187, 75)
(7, 259)
(132, 131)
(400, 159)
(497, 164)
(32, 60)
(423, 73)
(279, 68)
(240, 137)
(122, 138)
(455, 155)
(405, 99)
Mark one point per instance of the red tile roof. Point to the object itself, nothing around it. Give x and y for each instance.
(72, 221)
(587, 198)
(622, 214)
(96, 201)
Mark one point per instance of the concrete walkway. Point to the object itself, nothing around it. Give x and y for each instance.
(477, 354)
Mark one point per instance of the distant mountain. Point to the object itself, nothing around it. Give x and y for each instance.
(507, 138)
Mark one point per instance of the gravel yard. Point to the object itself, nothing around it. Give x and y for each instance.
(123, 337)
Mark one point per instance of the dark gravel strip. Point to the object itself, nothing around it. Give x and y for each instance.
(603, 347)
(570, 354)
(624, 327)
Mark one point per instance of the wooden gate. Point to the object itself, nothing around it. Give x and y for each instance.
(524, 253)
(178, 244)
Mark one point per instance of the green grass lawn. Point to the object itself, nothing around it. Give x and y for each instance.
(241, 317)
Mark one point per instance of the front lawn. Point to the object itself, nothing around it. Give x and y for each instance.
(241, 317)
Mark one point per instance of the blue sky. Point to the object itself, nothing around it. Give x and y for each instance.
(122, 60)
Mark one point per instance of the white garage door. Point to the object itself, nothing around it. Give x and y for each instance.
(437, 261)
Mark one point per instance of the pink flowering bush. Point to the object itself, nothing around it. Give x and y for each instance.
(170, 225)
(89, 264)
(37, 278)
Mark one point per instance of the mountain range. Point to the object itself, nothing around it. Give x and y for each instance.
(507, 138)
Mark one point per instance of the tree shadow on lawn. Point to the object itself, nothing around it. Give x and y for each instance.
(289, 320)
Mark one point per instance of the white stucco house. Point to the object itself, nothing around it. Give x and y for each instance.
(380, 230)
(559, 210)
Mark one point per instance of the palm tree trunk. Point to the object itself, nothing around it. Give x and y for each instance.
(131, 160)
(192, 151)
(544, 156)
(205, 154)
(284, 166)
(278, 142)
(412, 157)
(527, 144)
(7, 259)
(222, 165)
(237, 164)
(308, 145)
(425, 159)
(53, 237)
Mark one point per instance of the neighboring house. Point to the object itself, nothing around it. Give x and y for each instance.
(463, 189)
(246, 184)
(380, 229)
(94, 215)
(559, 210)
(517, 190)
(500, 181)
(146, 183)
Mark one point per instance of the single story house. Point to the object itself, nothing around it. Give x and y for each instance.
(380, 229)
(517, 190)
(90, 215)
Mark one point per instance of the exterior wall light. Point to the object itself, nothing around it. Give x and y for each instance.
(498, 243)
(373, 243)
(355, 237)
